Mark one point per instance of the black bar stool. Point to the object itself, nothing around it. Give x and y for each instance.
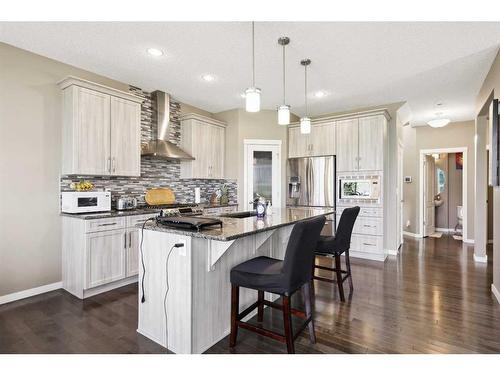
(284, 277)
(334, 247)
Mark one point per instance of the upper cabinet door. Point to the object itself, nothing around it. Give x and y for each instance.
(322, 139)
(299, 145)
(371, 143)
(125, 137)
(216, 164)
(347, 145)
(91, 137)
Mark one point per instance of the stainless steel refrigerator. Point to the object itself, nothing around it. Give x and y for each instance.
(312, 183)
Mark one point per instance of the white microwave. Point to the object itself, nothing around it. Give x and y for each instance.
(359, 189)
(75, 202)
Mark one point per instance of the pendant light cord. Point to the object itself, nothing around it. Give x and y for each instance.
(284, 74)
(305, 86)
(253, 54)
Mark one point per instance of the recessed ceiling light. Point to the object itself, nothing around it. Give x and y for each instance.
(319, 94)
(155, 52)
(208, 77)
(439, 123)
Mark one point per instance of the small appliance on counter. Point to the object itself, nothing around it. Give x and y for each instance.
(126, 203)
(190, 223)
(77, 202)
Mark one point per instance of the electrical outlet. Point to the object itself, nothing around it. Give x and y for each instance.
(182, 250)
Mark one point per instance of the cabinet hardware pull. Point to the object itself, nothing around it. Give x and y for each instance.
(106, 224)
(130, 240)
(125, 235)
(108, 165)
(369, 226)
(368, 244)
(114, 165)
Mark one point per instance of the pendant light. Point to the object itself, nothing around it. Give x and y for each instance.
(252, 94)
(284, 109)
(305, 122)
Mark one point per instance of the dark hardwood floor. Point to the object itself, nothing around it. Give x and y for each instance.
(432, 298)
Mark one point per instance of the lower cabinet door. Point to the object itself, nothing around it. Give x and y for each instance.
(133, 252)
(105, 257)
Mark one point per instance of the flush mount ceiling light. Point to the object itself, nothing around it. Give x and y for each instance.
(155, 52)
(305, 122)
(284, 109)
(439, 121)
(319, 94)
(208, 77)
(252, 94)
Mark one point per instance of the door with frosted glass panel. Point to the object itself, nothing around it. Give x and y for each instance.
(262, 173)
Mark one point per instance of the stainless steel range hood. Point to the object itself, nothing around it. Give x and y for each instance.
(160, 146)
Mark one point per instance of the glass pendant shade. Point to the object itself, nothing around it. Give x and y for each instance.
(252, 99)
(284, 114)
(305, 125)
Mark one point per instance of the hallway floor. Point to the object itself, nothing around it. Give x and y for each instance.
(432, 298)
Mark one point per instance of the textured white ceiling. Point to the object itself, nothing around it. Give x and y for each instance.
(357, 64)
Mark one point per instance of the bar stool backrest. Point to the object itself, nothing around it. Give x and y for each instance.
(344, 229)
(299, 256)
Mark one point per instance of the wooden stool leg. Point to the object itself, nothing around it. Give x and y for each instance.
(287, 319)
(339, 277)
(348, 266)
(260, 308)
(306, 288)
(235, 305)
(311, 284)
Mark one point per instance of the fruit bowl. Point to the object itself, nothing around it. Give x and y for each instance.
(82, 186)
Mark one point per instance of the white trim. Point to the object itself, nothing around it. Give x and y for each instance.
(478, 259)
(450, 150)
(392, 252)
(468, 240)
(208, 120)
(448, 230)
(319, 120)
(495, 292)
(30, 292)
(110, 286)
(410, 234)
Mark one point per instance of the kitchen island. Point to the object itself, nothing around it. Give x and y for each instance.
(195, 312)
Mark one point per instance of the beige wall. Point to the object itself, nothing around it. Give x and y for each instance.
(30, 154)
(458, 134)
(490, 89)
(187, 108)
(30, 160)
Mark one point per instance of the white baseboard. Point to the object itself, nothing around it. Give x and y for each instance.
(478, 259)
(495, 292)
(369, 256)
(410, 234)
(30, 292)
(468, 240)
(448, 230)
(391, 252)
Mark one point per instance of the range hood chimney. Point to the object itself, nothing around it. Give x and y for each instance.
(160, 146)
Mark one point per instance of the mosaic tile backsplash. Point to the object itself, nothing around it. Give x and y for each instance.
(156, 172)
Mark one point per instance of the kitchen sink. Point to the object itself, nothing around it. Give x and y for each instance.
(239, 215)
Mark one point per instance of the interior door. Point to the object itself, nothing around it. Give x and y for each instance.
(125, 137)
(429, 192)
(263, 173)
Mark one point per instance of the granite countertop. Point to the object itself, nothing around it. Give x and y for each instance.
(136, 211)
(233, 228)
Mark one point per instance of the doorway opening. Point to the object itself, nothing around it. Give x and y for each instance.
(443, 193)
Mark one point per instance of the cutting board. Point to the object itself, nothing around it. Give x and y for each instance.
(159, 196)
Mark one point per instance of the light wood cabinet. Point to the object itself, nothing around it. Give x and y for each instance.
(320, 142)
(105, 257)
(347, 145)
(205, 139)
(101, 129)
(360, 144)
(100, 254)
(371, 143)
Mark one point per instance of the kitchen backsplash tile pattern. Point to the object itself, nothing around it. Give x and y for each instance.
(156, 172)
